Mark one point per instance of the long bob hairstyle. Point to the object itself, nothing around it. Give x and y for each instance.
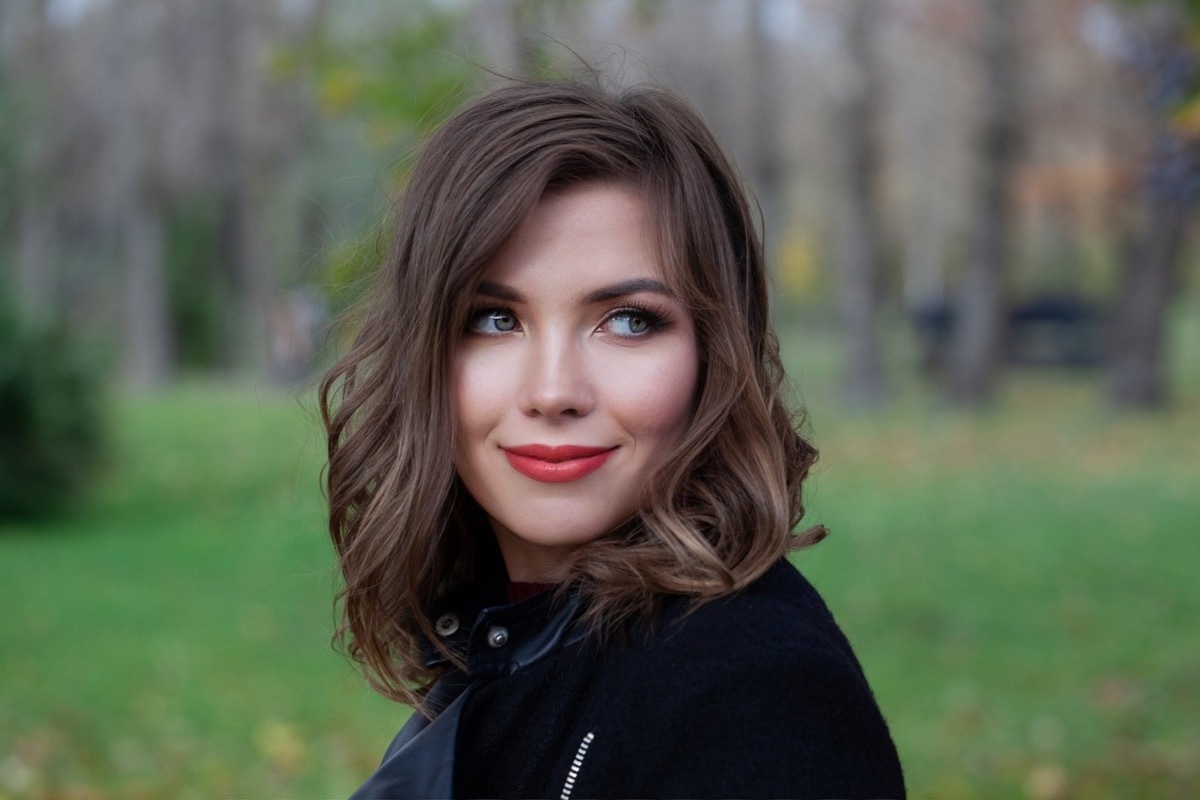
(720, 509)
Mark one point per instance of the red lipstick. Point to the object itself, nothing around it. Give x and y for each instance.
(561, 464)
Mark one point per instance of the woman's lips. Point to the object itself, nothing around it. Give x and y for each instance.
(561, 464)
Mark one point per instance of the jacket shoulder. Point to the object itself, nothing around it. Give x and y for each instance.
(768, 699)
(779, 616)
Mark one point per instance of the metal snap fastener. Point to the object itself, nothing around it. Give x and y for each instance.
(497, 636)
(446, 625)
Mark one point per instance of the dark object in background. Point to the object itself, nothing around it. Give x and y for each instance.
(51, 419)
(1044, 331)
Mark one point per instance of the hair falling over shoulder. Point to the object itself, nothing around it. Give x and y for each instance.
(714, 517)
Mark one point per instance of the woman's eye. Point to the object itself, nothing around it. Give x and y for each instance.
(632, 324)
(493, 321)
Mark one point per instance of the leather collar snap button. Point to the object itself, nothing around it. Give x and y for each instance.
(497, 636)
(446, 625)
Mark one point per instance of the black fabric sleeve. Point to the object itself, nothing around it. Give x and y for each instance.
(807, 727)
(759, 698)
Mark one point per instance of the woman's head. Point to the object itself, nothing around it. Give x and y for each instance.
(409, 465)
(574, 378)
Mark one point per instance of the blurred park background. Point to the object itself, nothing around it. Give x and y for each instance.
(982, 219)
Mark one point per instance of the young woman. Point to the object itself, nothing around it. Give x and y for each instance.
(563, 480)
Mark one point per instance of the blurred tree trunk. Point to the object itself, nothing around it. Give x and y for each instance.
(245, 281)
(36, 260)
(245, 268)
(767, 170)
(979, 315)
(137, 198)
(861, 226)
(145, 318)
(526, 25)
(504, 29)
(1136, 372)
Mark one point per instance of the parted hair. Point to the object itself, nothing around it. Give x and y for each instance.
(717, 512)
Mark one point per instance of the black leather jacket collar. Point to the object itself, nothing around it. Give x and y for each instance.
(495, 641)
(499, 640)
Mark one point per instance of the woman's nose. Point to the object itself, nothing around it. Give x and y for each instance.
(556, 381)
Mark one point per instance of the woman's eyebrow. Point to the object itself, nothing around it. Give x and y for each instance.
(499, 291)
(633, 286)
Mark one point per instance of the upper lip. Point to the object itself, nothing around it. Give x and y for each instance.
(555, 453)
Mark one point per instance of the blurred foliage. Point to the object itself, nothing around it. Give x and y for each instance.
(798, 264)
(1187, 115)
(1183, 104)
(391, 85)
(403, 84)
(394, 81)
(349, 267)
(192, 254)
(51, 419)
(9, 150)
(12, 116)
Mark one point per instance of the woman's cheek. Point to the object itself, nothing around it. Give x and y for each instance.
(654, 391)
(483, 377)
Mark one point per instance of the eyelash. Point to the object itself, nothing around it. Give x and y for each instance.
(481, 314)
(655, 320)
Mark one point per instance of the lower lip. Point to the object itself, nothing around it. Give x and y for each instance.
(557, 471)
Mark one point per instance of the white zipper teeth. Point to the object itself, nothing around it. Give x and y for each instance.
(575, 765)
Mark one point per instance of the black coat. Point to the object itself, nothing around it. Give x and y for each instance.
(754, 695)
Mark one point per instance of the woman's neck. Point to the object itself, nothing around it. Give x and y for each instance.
(523, 590)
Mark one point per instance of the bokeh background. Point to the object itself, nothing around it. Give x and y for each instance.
(981, 216)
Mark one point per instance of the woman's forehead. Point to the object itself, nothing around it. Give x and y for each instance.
(582, 239)
(636, 208)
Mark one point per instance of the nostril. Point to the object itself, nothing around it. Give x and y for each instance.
(556, 380)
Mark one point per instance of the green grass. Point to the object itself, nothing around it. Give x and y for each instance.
(1018, 584)
(1021, 591)
(174, 642)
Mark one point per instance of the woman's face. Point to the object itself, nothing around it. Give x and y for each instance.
(575, 376)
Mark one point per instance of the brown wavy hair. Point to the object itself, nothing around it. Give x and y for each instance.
(718, 512)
